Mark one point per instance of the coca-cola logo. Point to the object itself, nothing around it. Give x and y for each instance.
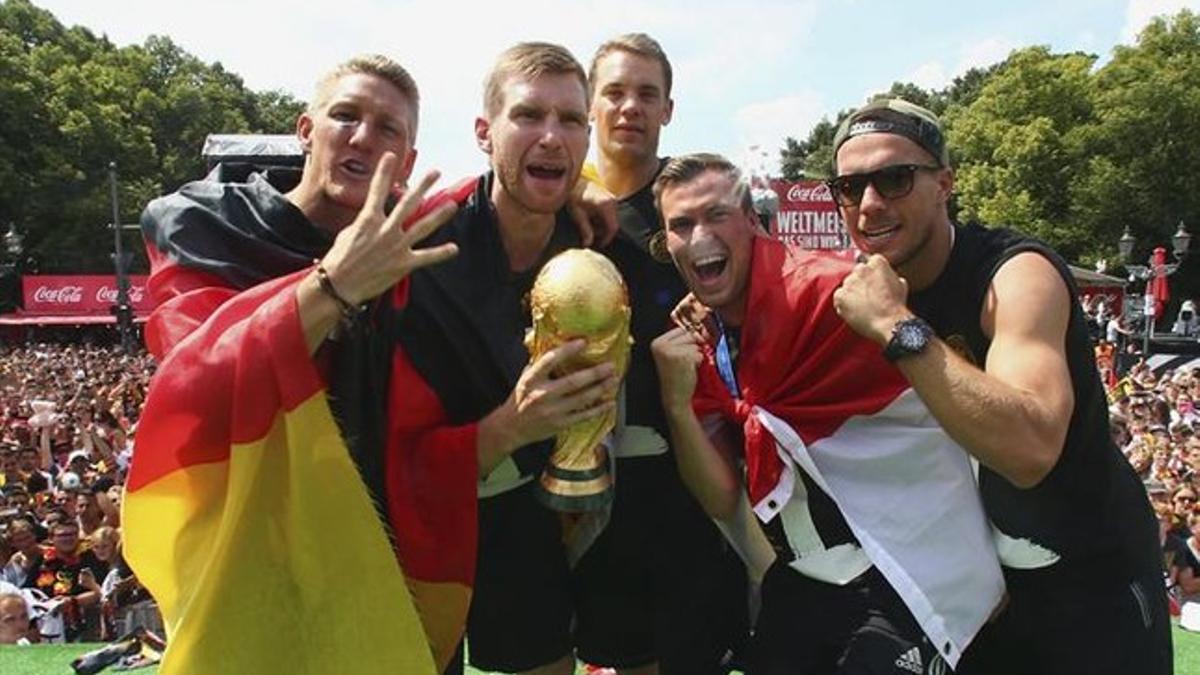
(814, 192)
(109, 295)
(62, 295)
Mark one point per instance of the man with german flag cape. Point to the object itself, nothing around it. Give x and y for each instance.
(885, 560)
(281, 508)
(276, 524)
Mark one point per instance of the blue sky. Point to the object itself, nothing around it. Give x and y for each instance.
(747, 73)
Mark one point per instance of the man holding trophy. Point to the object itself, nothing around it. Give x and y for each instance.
(463, 331)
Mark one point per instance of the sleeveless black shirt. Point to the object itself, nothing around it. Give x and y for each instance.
(1091, 509)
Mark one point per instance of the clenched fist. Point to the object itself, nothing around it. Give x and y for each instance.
(872, 299)
(676, 356)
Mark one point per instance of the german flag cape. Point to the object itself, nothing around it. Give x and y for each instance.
(253, 508)
(814, 396)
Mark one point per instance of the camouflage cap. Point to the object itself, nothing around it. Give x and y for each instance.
(895, 116)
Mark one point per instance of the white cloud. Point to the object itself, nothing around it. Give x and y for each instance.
(930, 75)
(763, 126)
(936, 75)
(1138, 13)
(984, 53)
(723, 55)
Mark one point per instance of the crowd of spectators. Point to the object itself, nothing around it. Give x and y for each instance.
(68, 415)
(69, 412)
(1155, 422)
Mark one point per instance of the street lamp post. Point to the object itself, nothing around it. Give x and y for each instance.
(123, 310)
(1180, 242)
(14, 243)
(10, 269)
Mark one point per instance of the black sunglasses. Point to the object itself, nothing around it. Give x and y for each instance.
(891, 182)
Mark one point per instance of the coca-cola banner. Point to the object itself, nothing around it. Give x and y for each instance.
(808, 216)
(74, 295)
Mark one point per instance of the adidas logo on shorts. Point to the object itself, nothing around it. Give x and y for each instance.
(911, 661)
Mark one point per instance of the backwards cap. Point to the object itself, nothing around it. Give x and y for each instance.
(895, 116)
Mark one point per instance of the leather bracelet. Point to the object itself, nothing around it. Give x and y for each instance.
(349, 311)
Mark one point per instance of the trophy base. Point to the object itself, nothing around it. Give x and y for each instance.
(575, 491)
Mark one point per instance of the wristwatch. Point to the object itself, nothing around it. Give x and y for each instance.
(910, 336)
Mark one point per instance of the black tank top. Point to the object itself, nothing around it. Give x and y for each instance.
(1091, 509)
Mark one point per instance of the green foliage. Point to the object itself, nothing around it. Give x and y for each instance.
(813, 157)
(71, 103)
(791, 159)
(1074, 154)
(1017, 144)
(1054, 146)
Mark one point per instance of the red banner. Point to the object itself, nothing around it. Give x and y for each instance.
(808, 216)
(81, 295)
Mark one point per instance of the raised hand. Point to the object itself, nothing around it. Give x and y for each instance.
(373, 253)
(694, 317)
(377, 250)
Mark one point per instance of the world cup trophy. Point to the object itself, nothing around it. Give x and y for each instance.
(579, 294)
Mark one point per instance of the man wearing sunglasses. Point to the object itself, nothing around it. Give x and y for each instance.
(985, 326)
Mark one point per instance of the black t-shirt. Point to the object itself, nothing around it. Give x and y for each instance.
(654, 289)
(57, 575)
(1091, 509)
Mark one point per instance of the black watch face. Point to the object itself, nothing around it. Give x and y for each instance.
(911, 337)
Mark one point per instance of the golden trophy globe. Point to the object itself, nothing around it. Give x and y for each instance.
(580, 294)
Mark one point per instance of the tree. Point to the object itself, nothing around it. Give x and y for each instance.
(1019, 144)
(1144, 167)
(965, 88)
(70, 103)
(791, 159)
(1147, 102)
(812, 157)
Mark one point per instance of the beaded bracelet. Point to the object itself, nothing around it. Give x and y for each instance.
(349, 311)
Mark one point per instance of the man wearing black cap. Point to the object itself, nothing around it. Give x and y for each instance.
(984, 325)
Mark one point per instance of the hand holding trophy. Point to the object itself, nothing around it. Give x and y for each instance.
(579, 294)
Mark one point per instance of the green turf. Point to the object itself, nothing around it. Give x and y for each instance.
(55, 659)
(1187, 652)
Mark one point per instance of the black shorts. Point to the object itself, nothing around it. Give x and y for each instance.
(1117, 628)
(521, 607)
(812, 627)
(659, 584)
